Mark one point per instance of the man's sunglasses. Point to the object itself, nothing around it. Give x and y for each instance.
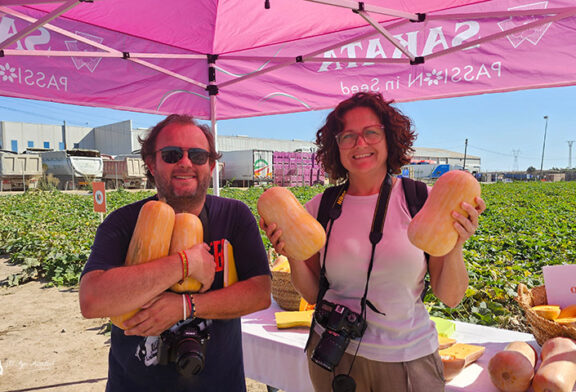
(172, 154)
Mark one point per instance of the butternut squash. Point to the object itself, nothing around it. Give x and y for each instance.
(555, 346)
(281, 264)
(150, 241)
(557, 373)
(445, 342)
(452, 366)
(567, 321)
(304, 305)
(432, 229)
(512, 369)
(187, 232)
(468, 352)
(302, 235)
(549, 312)
(568, 311)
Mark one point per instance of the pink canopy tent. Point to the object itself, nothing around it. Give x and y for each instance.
(237, 58)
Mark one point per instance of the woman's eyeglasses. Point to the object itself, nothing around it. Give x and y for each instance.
(172, 154)
(372, 134)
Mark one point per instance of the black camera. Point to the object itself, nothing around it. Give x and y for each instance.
(341, 325)
(185, 347)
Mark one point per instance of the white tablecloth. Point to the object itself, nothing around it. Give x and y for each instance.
(276, 356)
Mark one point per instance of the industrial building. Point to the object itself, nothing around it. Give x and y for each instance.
(121, 138)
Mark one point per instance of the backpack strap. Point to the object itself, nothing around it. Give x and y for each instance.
(327, 202)
(416, 193)
(328, 199)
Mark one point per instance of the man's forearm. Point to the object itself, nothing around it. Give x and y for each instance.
(120, 290)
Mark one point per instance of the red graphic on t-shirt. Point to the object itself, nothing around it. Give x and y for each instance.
(218, 248)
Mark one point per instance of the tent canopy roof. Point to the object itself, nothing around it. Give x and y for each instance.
(297, 55)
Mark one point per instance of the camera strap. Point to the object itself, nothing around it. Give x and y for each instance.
(376, 236)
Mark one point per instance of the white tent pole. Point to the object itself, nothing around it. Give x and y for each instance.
(109, 54)
(386, 35)
(355, 5)
(216, 175)
(213, 90)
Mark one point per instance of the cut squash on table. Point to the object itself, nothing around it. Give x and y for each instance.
(468, 352)
(294, 319)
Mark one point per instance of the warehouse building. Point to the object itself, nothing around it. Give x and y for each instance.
(121, 138)
(439, 156)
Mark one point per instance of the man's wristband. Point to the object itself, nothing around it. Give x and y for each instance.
(191, 305)
(184, 307)
(184, 260)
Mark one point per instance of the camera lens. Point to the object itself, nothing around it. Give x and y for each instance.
(343, 383)
(190, 357)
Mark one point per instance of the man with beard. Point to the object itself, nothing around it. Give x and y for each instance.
(180, 156)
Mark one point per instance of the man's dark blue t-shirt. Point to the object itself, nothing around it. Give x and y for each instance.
(132, 359)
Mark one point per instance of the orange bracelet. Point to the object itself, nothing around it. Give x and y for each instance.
(184, 260)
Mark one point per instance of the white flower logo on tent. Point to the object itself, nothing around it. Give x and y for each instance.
(7, 72)
(433, 77)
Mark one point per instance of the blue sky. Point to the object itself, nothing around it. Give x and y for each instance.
(506, 129)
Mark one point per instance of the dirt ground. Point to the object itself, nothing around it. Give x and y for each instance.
(45, 343)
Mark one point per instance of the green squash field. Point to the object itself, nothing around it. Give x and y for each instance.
(526, 225)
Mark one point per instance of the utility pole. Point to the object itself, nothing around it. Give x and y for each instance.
(465, 149)
(543, 146)
(64, 134)
(570, 153)
(515, 153)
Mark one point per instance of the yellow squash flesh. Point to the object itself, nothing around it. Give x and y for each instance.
(303, 236)
(549, 312)
(150, 241)
(432, 229)
(568, 311)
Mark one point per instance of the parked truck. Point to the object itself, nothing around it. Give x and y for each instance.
(246, 167)
(126, 171)
(74, 168)
(19, 171)
(427, 171)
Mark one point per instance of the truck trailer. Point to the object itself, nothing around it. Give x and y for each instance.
(74, 168)
(19, 171)
(126, 171)
(426, 171)
(247, 167)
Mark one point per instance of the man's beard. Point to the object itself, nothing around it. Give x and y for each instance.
(189, 201)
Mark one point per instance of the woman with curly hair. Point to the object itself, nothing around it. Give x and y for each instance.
(371, 328)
